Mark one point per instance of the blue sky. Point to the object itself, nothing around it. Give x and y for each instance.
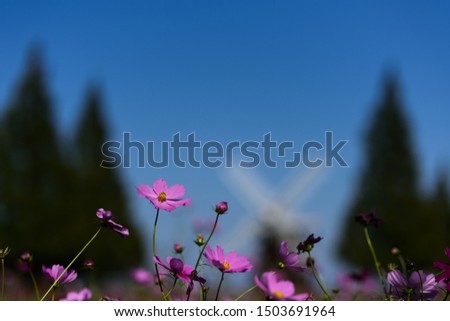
(235, 70)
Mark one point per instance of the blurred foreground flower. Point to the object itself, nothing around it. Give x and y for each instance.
(83, 295)
(278, 290)
(53, 273)
(418, 286)
(142, 276)
(163, 197)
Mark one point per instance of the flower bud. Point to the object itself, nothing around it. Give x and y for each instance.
(88, 265)
(4, 252)
(199, 240)
(221, 208)
(178, 248)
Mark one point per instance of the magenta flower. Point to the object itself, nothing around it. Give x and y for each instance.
(53, 273)
(418, 286)
(179, 270)
(163, 197)
(142, 276)
(289, 260)
(230, 263)
(445, 269)
(83, 295)
(106, 220)
(278, 290)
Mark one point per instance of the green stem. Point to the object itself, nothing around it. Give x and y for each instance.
(313, 269)
(203, 249)
(36, 289)
(167, 295)
(3, 279)
(53, 294)
(220, 285)
(55, 283)
(375, 260)
(206, 243)
(446, 295)
(246, 292)
(154, 254)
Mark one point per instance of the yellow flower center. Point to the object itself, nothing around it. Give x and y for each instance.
(162, 197)
(278, 294)
(226, 265)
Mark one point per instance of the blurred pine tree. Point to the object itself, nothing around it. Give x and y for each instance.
(102, 187)
(390, 183)
(51, 188)
(31, 168)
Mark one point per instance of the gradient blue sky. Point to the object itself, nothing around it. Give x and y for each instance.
(235, 70)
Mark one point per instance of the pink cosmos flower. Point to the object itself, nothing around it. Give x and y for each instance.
(163, 197)
(83, 295)
(230, 263)
(55, 271)
(289, 260)
(278, 290)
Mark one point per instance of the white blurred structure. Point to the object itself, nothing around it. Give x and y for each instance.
(275, 206)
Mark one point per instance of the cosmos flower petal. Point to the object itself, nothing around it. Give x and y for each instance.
(441, 265)
(83, 295)
(175, 191)
(285, 287)
(278, 290)
(447, 252)
(160, 186)
(261, 284)
(166, 206)
(284, 251)
(220, 255)
(230, 263)
(397, 279)
(145, 191)
(178, 203)
(300, 297)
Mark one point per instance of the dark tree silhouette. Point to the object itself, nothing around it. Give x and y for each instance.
(32, 171)
(51, 188)
(390, 183)
(101, 187)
